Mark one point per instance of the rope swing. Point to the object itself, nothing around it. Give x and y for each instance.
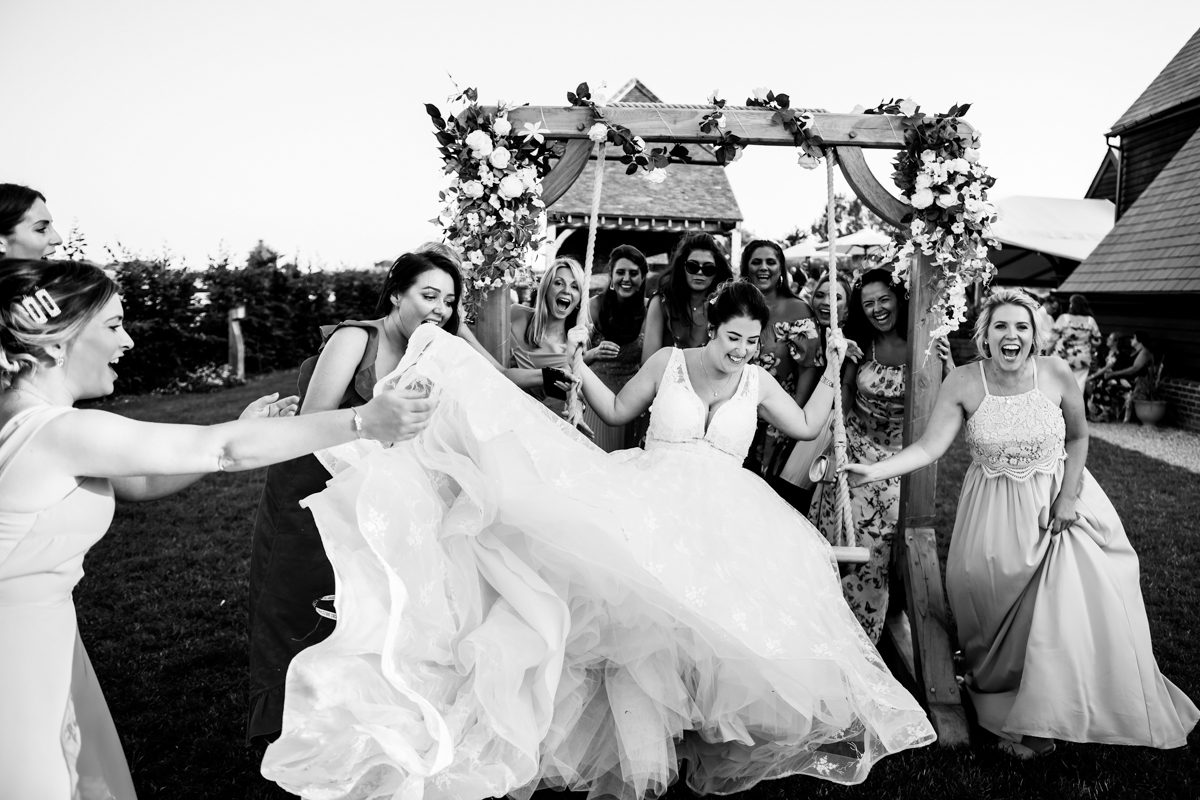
(583, 323)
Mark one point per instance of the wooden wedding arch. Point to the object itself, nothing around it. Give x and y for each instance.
(918, 632)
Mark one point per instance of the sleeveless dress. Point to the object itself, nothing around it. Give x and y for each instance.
(526, 359)
(874, 431)
(1053, 628)
(625, 330)
(57, 739)
(518, 609)
(288, 566)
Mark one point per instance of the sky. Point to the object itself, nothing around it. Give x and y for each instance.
(194, 128)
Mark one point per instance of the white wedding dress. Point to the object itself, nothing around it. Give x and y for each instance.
(518, 609)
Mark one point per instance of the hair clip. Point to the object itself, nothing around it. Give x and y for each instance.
(40, 306)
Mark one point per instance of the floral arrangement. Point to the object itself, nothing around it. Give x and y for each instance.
(492, 212)
(940, 174)
(635, 154)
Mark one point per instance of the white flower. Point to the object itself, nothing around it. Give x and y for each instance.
(923, 181)
(487, 177)
(598, 132)
(807, 160)
(655, 175)
(639, 143)
(507, 215)
(761, 92)
(494, 201)
(722, 123)
(971, 154)
(958, 165)
(489, 221)
(475, 257)
(858, 109)
(928, 156)
(907, 107)
(501, 127)
(974, 207)
(957, 228)
(535, 131)
(500, 157)
(922, 198)
(947, 199)
(480, 143)
(472, 219)
(714, 96)
(917, 227)
(473, 189)
(511, 187)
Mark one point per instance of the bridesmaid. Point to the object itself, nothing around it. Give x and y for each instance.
(540, 352)
(1041, 577)
(874, 390)
(617, 317)
(677, 314)
(788, 342)
(61, 332)
(26, 227)
(290, 575)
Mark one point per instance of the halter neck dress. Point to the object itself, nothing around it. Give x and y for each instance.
(1053, 628)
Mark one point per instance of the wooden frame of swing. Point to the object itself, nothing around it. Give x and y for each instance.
(918, 633)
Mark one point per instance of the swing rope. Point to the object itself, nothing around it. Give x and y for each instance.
(841, 505)
(583, 323)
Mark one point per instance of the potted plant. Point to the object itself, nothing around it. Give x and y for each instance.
(1148, 403)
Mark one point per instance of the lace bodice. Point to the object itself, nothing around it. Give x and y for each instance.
(1016, 436)
(678, 414)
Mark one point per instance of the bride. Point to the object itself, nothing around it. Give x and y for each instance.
(518, 609)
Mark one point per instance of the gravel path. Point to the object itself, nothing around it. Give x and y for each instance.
(1173, 445)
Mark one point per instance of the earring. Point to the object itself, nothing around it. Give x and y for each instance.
(60, 361)
(987, 350)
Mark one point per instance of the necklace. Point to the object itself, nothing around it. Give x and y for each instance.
(711, 385)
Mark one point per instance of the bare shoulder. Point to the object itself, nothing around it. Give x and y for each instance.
(964, 382)
(793, 308)
(1053, 368)
(348, 338)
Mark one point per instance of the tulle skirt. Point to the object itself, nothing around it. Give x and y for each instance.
(517, 609)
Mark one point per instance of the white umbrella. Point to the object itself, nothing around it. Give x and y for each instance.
(806, 248)
(859, 242)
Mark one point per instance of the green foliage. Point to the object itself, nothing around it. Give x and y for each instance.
(178, 318)
(850, 216)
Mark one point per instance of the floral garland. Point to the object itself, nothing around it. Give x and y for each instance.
(940, 175)
(492, 211)
(635, 154)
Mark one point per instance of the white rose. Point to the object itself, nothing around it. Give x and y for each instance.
(511, 187)
(761, 92)
(973, 206)
(971, 154)
(947, 199)
(922, 198)
(958, 165)
(928, 156)
(528, 176)
(598, 132)
(907, 107)
(501, 127)
(480, 143)
(917, 227)
(957, 228)
(655, 175)
(500, 157)
(473, 189)
(475, 257)
(923, 181)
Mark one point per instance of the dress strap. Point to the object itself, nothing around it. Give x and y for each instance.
(1035, 375)
(983, 374)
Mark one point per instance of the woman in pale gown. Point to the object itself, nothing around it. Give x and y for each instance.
(518, 609)
(1041, 577)
(61, 330)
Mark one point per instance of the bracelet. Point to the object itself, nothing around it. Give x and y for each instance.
(825, 380)
(358, 424)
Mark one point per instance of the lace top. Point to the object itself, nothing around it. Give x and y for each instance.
(1016, 436)
(678, 415)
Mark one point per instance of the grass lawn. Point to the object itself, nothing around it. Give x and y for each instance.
(163, 613)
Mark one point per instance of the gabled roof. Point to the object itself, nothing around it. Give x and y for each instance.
(1178, 84)
(1155, 245)
(691, 191)
(1104, 183)
(634, 91)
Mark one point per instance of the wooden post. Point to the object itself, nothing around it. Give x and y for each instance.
(920, 636)
(491, 323)
(237, 345)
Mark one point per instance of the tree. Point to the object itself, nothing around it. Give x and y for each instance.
(850, 216)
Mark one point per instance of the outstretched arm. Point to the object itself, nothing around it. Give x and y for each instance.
(943, 425)
(779, 409)
(652, 328)
(635, 397)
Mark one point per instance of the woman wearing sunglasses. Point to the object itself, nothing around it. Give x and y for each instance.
(676, 314)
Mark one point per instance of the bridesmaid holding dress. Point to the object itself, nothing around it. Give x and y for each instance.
(1041, 577)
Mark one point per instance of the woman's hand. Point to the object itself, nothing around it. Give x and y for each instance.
(604, 351)
(836, 346)
(853, 351)
(943, 351)
(858, 474)
(1062, 514)
(269, 405)
(396, 415)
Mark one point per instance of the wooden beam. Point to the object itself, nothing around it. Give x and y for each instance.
(657, 122)
(566, 171)
(868, 188)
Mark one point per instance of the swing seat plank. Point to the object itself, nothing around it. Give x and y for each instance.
(851, 555)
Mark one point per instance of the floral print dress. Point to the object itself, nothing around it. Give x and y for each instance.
(1076, 337)
(795, 340)
(874, 431)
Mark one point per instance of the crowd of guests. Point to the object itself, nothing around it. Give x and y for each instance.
(61, 332)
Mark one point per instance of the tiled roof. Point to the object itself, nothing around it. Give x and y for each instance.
(1155, 245)
(1177, 84)
(691, 191)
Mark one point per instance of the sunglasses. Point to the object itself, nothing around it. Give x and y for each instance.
(698, 268)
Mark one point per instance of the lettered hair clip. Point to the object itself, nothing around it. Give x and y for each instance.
(40, 306)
